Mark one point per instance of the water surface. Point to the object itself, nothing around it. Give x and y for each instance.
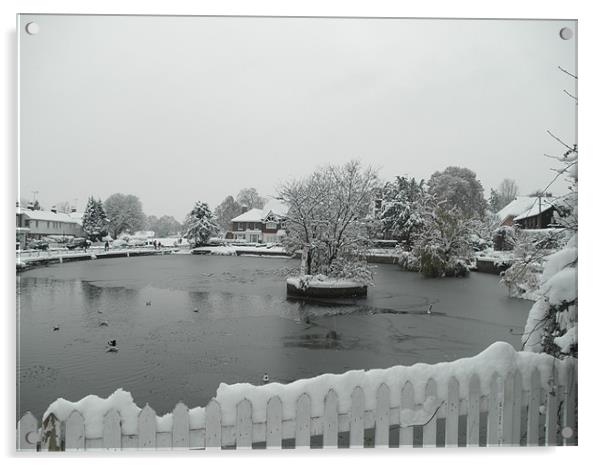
(243, 326)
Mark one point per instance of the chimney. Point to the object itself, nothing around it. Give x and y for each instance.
(244, 209)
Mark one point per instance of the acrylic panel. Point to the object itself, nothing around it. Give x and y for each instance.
(286, 232)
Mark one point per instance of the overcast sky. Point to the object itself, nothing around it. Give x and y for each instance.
(179, 109)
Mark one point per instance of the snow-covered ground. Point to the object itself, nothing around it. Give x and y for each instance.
(320, 281)
(234, 250)
(500, 357)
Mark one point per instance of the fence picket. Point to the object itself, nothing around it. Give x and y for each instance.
(213, 424)
(508, 409)
(533, 409)
(494, 415)
(147, 428)
(451, 418)
(552, 409)
(302, 421)
(517, 403)
(331, 419)
(75, 438)
(474, 414)
(570, 405)
(356, 422)
(406, 433)
(274, 423)
(27, 432)
(111, 431)
(244, 424)
(382, 418)
(429, 431)
(181, 427)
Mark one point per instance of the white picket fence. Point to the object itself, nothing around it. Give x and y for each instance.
(511, 413)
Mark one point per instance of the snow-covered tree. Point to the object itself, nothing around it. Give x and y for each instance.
(199, 225)
(250, 198)
(461, 189)
(402, 214)
(327, 218)
(94, 220)
(444, 247)
(226, 211)
(552, 323)
(125, 213)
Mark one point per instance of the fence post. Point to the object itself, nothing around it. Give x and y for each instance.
(429, 437)
(213, 424)
(533, 409)
(406, 433)
(274, 423)
(453, 407)
(181, 427)
(111, 431)
(147, 428)
(331, 419)
(494, 416)
(474, 412)
(75, 437)
(302, 421)
(244, 424)
(382, 416)
(356, 427)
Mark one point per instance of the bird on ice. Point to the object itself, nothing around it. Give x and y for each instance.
(103, 323)
(112, 346)
(56, 328)
(430, 309)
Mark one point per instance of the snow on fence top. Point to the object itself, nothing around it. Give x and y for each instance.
(500, 358)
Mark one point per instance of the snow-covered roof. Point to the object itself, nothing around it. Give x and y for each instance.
(273, 206)
(252, 215)
(535, 208)
(516, 207)
(47, 215)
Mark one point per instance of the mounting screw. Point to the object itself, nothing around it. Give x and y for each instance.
(566, 33)
(32, 28)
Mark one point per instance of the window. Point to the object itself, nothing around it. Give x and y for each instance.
(271, 225)
(240, 226)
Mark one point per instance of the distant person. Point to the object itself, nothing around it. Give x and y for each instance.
(106, 246)
(160, 245)
(155, 244)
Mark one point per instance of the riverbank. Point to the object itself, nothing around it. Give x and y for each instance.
(27, 260)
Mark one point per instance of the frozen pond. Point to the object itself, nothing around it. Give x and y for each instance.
(243, 327)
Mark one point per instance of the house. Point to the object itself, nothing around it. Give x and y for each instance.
(529, 212)
(38, 224)
(259, 225)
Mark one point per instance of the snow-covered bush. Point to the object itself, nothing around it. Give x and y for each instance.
(552, 323)
(504, 238)
(352, 268)
(444, 247)
(408, 261)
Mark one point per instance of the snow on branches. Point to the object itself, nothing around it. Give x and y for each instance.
(327, 217)
(199, 225)
(94, 220)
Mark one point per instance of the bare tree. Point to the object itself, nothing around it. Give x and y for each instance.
(507, 191)
(327, 213)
